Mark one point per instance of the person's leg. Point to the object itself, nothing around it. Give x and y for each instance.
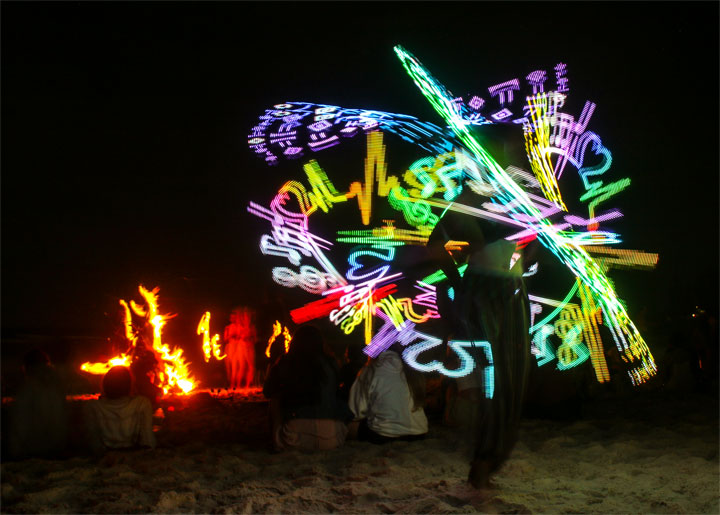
(501, 305)
(276, 420)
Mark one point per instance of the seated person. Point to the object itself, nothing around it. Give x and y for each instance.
(118, 420)
(388, 399)
(38, 418)
(305, 409)
(355, 360)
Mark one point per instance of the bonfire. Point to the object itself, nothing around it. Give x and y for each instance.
(168, 371)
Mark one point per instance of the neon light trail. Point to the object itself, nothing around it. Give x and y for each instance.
(370, 288)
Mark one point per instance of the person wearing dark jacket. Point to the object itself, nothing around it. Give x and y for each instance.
(306, 411)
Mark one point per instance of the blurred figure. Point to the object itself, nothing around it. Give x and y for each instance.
(488, 302)
(464, 397)
(305, 409)
(388, 399)
(38, 419)
(118, 420)
(240, 338)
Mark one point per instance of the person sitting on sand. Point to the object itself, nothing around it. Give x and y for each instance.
(118, 420)
(305, 409)
(388, 399)
(355, 360)
(38, 417)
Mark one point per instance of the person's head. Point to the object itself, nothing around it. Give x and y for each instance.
(354, 354)
(236, 316)
(35, 360)
(307, 341)
(117, 382)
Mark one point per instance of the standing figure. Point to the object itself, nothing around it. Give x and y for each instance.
(240, 340)
(488, 302)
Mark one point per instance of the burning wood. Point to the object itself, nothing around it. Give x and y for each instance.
(166, 368)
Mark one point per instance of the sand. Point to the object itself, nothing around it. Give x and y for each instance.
(649, 453)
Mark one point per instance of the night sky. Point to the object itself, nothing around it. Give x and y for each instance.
(124, 129)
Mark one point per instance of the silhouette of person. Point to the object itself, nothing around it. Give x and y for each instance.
(240, 337)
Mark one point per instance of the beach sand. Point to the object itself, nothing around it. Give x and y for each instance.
(649, 453)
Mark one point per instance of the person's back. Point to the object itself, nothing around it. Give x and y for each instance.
(384, 401)
(306, 411)
(117, 419)
(38, 425)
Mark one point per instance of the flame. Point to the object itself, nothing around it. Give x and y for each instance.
(277, 331)
(123, 360)
(286, 334)
(174, 373)
(210, 347)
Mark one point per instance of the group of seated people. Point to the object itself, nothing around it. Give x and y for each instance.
(40, 422)
(308, 410)
(314, 404)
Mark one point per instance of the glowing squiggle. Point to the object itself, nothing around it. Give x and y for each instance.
(537, 145)
(626, 335)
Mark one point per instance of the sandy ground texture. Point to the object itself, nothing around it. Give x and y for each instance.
(649, 454)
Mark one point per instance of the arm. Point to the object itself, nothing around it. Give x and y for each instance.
(146, 438)
(358, 401)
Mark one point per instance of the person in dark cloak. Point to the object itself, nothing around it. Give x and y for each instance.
(38, 419)
(489, 303)
(306, 411)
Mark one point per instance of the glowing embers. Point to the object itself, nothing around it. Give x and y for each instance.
(211, 346)
(278, 329)
(171, 373)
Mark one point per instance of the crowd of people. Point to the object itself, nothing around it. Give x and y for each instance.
(314, 403)
(317, 401)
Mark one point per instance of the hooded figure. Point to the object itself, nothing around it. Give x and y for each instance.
(488, 302)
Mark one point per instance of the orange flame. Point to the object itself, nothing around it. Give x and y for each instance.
(277, 331)
(174, 374)
(286, 334)
(210, 347)
(123, 360)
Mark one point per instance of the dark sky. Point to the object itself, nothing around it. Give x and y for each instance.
(124, 155)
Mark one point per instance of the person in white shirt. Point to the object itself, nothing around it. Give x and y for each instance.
(118, 420)
(387, 400)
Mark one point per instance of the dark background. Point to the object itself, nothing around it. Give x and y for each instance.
(124, 155)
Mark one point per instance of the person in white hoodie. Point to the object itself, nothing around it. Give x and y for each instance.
(387, 400)
(118, 420)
